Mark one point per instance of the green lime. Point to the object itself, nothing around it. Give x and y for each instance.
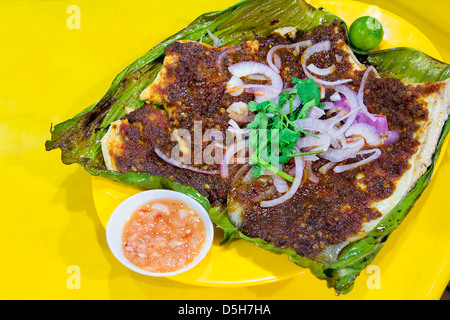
(366, 33)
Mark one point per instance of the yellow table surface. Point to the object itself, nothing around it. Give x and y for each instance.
(52, 243)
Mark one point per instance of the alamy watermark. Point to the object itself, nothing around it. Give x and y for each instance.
(374, 280)
(74, 279)
(235, 146)
(74, 20)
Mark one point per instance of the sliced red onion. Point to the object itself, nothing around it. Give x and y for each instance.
(277, 61)
(315, 48)
(334, 110)
(324, 126)
(343, 104)
(239, 108)
(270, 54)
(238, 111)
(320, 71)
(299, 166)
(334, 133)
(229, 154)
(338, 155)
(323, 90)
(312, 143)
(326, 167)
(280, 184)
(338, 132)
(313, 125)
(315, 112)
(355, 108)
(328, 105)
(379, 122)
(375, 155)
(392, 137)
(351, 97)
(262, 98)
(234, 124)
(223, 54)
(214, 38)
(311, 157)
(262, 90)
(367, 132)
(216, 135)
(311, 176)
(335, 97)
(361, 92)
(259, 77)
(234, 86)
(181, 165)
(243, 119)
(236, 129)
(242, 69)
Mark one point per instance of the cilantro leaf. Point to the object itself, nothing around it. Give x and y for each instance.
(274, 135)
(306, 107)
(307, 90)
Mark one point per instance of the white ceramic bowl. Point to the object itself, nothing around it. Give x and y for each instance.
(119, 218)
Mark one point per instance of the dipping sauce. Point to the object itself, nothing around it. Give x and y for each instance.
(163, 235)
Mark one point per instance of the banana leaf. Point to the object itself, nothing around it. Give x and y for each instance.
(79, 138)
(407, 64)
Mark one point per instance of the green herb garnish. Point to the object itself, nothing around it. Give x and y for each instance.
(274, 135)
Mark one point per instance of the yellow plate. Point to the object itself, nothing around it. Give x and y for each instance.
(241, 263)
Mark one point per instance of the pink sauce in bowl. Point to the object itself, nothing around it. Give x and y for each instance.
(159, 232)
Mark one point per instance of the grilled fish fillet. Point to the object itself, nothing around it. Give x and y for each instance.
(191, 87)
